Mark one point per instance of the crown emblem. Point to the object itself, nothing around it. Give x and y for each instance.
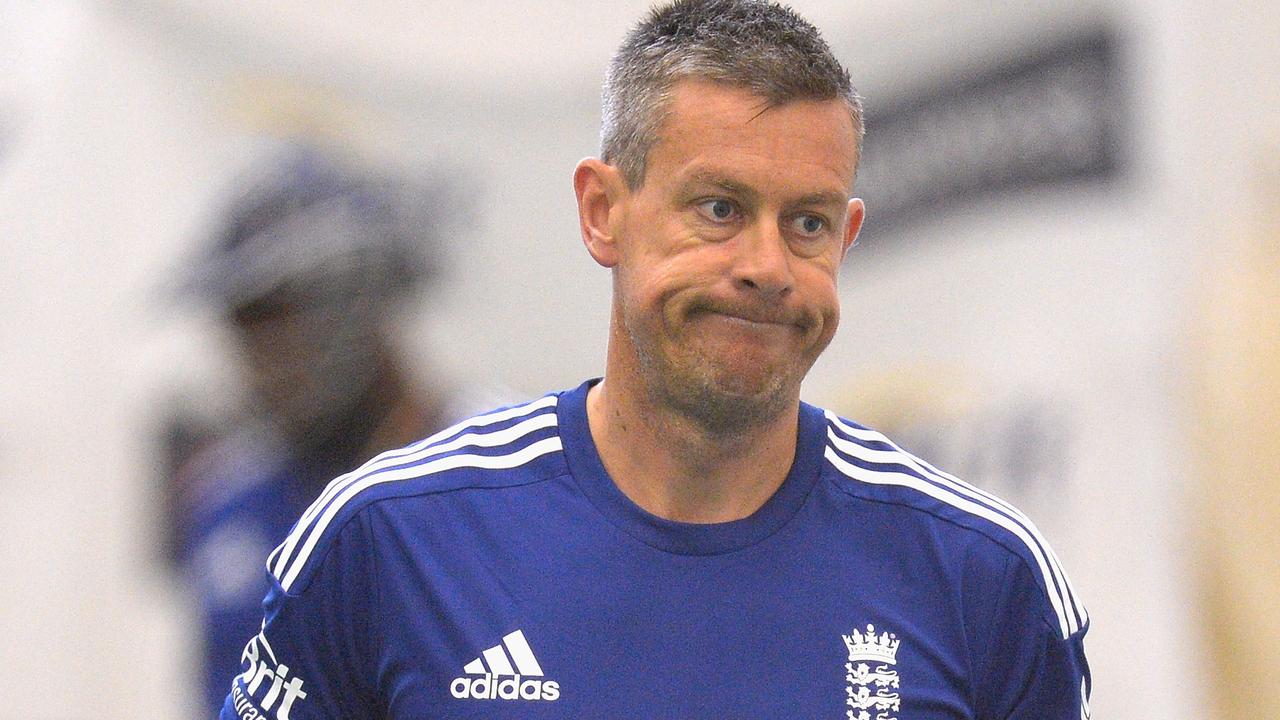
(872, 647)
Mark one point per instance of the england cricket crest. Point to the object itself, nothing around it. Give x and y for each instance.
(870, 675)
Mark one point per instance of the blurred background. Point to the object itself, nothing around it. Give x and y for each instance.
(1067, 291)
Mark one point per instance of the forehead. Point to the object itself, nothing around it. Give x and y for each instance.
(710, 128)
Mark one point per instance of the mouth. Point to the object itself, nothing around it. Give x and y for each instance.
(756, 319)
(747, 319)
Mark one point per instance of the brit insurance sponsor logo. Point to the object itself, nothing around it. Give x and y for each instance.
(266, 685)
(506, 671)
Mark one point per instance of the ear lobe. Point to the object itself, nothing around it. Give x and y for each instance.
(856, 212)
(599, 188)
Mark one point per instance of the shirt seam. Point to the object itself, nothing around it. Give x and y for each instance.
(371, 624)
(984, 669)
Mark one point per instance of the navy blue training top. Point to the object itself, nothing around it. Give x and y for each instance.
(494, 570)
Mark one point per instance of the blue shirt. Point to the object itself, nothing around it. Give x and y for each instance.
(244, 494)
(494, 570)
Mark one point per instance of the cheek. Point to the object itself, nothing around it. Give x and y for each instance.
(823, 298)
(817, 284)
(657, 282)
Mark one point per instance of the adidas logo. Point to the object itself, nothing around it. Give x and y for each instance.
(508, 671)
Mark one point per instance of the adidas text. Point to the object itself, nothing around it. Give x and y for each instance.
(511, 687)
(506, 671)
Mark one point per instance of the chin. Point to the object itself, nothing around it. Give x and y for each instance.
(725, 390)
(726, 400)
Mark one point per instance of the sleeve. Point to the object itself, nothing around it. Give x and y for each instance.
(1031, 670)
(312, 657)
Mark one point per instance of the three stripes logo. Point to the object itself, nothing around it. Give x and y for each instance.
(506, 671)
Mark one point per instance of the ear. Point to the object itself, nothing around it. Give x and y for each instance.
(857, 211)
(600, 189)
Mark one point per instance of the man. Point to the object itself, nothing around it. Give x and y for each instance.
(305, 267)
(684, 538)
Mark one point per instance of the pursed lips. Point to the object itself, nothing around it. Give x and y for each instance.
(755, 318)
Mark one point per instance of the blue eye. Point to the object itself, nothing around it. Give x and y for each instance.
(717, 208)
(809, 224)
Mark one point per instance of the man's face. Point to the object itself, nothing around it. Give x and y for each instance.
(725, 283)
(307, 357)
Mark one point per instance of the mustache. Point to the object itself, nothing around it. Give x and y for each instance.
(753, 312)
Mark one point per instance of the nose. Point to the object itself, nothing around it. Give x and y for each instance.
(762, 263)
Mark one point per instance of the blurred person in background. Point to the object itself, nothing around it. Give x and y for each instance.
(306, 267)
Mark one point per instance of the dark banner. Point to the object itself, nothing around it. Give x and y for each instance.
(1048, 117)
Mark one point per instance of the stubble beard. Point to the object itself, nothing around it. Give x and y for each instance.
(709, 393)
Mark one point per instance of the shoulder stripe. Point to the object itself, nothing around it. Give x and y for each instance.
(922, 476)
(414, 453)
(905, 480)
(928, 471)
(441, 464)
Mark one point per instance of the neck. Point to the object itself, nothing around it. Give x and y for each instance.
(678, 469)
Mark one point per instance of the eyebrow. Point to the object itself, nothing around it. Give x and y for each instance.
(705, 177)
(823, 198)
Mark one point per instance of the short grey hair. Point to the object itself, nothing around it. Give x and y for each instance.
(762, 47)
